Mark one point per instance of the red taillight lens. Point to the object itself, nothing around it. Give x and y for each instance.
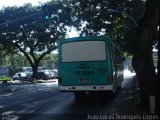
(110, 78)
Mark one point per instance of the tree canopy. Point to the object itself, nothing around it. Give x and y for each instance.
(115, 18)
(24, 29)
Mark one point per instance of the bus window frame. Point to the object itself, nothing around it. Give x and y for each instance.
(106, 52)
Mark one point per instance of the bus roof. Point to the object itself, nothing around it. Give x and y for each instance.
(85, 38)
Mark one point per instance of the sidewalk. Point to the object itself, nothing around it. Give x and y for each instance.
(131, 99)
(36, 81)
(8, 87)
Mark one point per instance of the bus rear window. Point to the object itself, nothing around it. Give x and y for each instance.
(83, 51)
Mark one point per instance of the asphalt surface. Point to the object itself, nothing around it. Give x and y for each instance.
(43, 101)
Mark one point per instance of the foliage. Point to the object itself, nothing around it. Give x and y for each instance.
(3, 78)
(25, 30)
(92, 17)
(17, 61)
(4, 57)
(49, 61)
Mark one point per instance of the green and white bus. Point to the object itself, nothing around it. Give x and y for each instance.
(87, 64)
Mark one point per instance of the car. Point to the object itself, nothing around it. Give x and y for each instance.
(28, 78)
(42, 75)
(19, 76)
(55, 74)
(49, 73)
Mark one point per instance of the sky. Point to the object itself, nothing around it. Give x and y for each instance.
(7, 3)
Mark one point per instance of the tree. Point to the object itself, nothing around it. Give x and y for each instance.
(142, 60)
(2, 55)
(93, 17)
(157, 109)
(49, 61)
(27, 31)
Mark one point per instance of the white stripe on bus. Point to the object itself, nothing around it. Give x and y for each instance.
(84, 88)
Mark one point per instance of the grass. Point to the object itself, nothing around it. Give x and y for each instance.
(3, 78)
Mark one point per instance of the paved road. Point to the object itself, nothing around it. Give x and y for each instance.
(43, 101)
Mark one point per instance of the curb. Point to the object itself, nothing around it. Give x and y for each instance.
(27, 82)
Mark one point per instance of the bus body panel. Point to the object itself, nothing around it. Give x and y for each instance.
(91, 73)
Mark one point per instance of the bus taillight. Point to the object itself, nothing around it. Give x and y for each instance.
(110, 78)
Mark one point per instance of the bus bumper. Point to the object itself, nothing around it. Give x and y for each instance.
(87, 88)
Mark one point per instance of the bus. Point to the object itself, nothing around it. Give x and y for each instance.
(89, 64)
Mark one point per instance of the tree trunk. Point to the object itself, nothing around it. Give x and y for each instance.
(142, 58)
(34, 69)
(158, 81)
